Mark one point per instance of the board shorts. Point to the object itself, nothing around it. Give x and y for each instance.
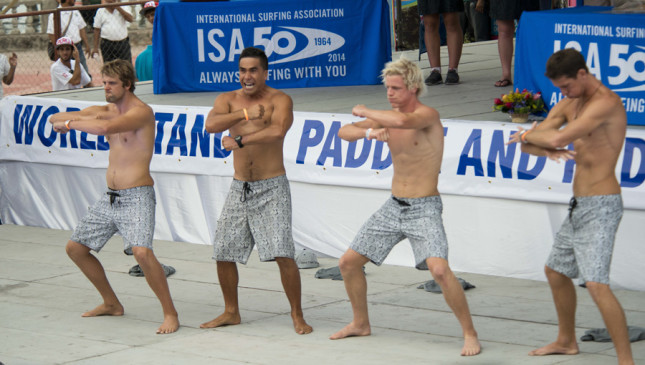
(417, 219)
(130, 212)
(585, 243)
(427, 7)
(255, 212)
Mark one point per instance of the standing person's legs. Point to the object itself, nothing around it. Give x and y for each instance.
(454, 38)
(564, 298)
(157, 281)
(614, 318)
(505, 31)
(270, 221)
(228, 280)
(93, 270)
(351, 266)
(290, 277)
(92, 233)
(431, 38)
(134, 215)
(454, 295)
(232, 243)
(373, 242)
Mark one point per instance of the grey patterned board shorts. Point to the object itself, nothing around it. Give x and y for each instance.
(417, 219)
(440, 6)
(130, 212)
(255, 212)
(585, 243)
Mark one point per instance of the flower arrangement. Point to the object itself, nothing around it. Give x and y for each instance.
(518, 102)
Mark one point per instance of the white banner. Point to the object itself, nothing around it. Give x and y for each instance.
(476, 160)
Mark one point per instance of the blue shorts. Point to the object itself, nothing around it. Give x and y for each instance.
(585, 242)
(130, 212)
(417, 219)
(255, 212)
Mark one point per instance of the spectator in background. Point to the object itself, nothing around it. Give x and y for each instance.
(66, 74)
(7, 70)
(449, 9)
(73, 27)
(111, 32)
(477, 16)
(505, 12)
(143, 63)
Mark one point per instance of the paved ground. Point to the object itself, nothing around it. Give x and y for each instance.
(42, 293)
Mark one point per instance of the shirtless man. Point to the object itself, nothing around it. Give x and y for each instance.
(593, 118)
(258, 207)
(414, 135)
(129, 203)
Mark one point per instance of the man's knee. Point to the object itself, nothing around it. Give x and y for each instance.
(142, 254)
(76, 250)
(597, 290)
(351, 260)
(438, 268)
(286, 262)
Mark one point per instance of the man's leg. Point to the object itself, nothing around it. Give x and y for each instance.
(454, 38)
(564, 296)
(351, 266)
(456, 299)
(93, 270)
(156, 278)
(228, 280)
(290, 277)
(614, 317)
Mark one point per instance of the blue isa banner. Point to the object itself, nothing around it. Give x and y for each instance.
(308, 43)
(613, 45)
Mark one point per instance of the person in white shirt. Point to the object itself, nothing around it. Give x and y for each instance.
(7, 70)
(111, 32)
(72, 26)
(65, 73)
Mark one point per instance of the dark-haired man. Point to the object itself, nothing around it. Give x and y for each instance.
(593, 118)
(258, 208)
(66, 73)
(128, 206)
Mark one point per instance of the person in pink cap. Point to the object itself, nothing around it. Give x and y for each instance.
(66, 73)
(143, 63)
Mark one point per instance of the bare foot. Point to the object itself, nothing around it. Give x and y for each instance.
(105, 310)
(351, 330)
(170, 324)
(471, 347)
(224, 319)
(301, 327)
(555, 349)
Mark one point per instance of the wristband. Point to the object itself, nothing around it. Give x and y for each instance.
(367, 133)
(523, 136)
(67, 124)
(246, 114)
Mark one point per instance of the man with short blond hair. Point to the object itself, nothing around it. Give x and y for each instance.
(414, 135)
